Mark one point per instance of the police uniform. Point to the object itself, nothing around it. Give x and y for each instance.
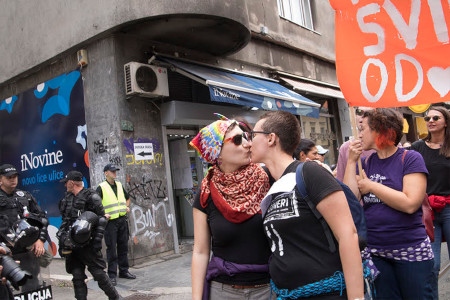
(12, 208)
(117, 232)
(90, 255)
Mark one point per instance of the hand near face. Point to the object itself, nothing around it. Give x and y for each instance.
(354, 150)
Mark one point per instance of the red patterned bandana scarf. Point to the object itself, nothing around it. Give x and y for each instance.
(236, 195)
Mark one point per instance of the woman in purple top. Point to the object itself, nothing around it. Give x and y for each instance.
(392, 186)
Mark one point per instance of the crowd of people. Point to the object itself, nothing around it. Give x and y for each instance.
(255, 235)
(390, 180)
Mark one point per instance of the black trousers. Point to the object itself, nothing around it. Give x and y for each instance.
(116, 240)
(76, 264)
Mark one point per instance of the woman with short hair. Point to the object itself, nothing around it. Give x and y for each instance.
(302, 265)
(392, 187)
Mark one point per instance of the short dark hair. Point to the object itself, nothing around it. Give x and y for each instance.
(388, 122)
(286, 126)
(305, 146)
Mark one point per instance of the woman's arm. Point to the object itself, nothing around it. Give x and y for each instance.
(408, 200)
(200, 253)
(334, 208)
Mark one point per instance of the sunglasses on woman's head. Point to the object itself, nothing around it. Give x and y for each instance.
(428, 118)
(237, 139)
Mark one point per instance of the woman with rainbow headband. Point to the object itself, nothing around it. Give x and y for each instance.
(227, 218)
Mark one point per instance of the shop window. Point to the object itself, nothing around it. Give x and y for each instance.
(321, 132)
(297, 11)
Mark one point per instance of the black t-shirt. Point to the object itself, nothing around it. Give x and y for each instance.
(438, 166)
(300, 253)
(242, 243)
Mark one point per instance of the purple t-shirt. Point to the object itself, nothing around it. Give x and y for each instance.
(388, 228)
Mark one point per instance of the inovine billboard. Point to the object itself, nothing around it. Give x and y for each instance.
(43, 134)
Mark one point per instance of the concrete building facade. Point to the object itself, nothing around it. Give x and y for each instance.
(290, 43)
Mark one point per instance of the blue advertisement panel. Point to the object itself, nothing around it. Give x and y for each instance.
(43, 134)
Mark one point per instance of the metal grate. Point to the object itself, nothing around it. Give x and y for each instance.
(128, 87)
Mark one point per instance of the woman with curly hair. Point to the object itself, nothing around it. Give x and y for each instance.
(392, 186)
(435, 149)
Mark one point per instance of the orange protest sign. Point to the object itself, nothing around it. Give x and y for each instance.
(393, 53)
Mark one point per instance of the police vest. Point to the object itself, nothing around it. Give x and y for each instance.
(11, 206)
(71, 206)
(115, 206)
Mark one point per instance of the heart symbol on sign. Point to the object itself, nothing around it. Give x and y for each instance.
(439, 79)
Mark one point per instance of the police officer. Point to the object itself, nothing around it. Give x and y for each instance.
(16, 204)
(116, 203)
(78, 200)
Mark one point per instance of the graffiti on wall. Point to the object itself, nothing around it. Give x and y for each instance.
(157, 159)
(150, 210)
(145, 220)
(130, 157)
(109, 146)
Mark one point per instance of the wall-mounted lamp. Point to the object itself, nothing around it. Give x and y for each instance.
(82, 58)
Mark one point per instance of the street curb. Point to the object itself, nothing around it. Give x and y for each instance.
(63, 280)
(164, 291)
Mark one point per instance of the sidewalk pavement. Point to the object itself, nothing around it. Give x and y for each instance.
(162, 278)
(168, 277)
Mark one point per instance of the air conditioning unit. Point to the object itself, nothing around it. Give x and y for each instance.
(145, 80)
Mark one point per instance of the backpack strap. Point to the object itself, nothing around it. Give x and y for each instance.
(301, 188)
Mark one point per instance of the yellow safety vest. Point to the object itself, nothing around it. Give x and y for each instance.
(115, 206)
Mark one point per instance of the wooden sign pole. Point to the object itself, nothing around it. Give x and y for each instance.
(355, 134)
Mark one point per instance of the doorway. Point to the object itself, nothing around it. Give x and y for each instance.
(187, 173)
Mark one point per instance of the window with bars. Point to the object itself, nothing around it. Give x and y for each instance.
(297, 11)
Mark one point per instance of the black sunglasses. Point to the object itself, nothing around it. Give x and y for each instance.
(252, 133)
(359, 112)
(428, 118)
(237, 139)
